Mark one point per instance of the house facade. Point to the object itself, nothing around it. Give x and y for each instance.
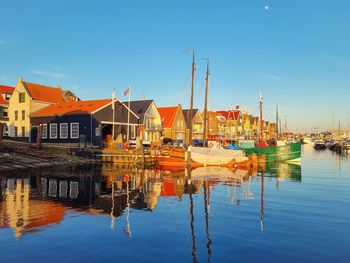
(197, 124)
(5, 95)
(232, 120)
(218, 127)
(26, 99)
(89, 122)
(174, 123)
(150, 128)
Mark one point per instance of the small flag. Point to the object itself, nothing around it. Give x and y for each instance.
(126, 92)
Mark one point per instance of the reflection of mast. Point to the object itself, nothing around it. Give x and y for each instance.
(112, 209)
(262, 203)
(127, 231)
(194, 249)
(190, 191)
(206, 209)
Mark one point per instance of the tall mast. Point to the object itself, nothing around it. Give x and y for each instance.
(128, 133)
(191, 104)
(113, 112)
(206, 105)
(262, 142)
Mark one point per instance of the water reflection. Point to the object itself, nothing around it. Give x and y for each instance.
(36, 201)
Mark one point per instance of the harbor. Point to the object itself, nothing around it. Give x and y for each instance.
(174, 131)
(115, 210)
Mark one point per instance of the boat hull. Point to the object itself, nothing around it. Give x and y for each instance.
(290, 152)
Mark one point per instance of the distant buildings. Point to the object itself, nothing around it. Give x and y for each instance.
(65, 119)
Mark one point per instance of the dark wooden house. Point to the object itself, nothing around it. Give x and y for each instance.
(89, 122)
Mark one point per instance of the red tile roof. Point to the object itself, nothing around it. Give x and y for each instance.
(3, 101)
(72, 108)
(3, 90)
(230, 115)
(44, 93)
(6, 89)
(168, 115)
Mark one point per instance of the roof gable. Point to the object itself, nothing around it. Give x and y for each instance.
(44, 93)
(139, 107)
(168, 115)
(186, 114)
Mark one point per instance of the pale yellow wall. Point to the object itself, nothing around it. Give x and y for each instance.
(179, 125)
(29, 106)
(152, 117)
(14, 105)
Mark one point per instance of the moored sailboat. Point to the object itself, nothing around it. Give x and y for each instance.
(204, 156)
(286, 153)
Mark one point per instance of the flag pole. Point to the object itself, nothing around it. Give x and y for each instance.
(129, 92)
(113, 112)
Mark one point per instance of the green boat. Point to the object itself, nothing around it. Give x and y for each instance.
(286, 153)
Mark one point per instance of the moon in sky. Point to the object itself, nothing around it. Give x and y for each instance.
(266, 7)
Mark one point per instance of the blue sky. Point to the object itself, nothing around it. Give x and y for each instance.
(296, 52)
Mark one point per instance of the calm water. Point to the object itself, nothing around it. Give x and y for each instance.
(289, 213)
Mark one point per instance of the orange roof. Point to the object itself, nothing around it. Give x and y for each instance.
(72, 108)
(168, 115)
(3, 90)
(6, 89)
(231, 114)
(3, 101)
(44, 93)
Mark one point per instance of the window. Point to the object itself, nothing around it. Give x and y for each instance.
(23, 115)
(44, 135)
(16, 131)
(5, 113)
(74, 130)
(133, 132)
(53, 130)
(23, 131)
(7, 96)
(16, 115)
(64, 130)
(21, 97)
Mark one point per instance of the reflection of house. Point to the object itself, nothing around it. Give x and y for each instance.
(197, 124)
(22, 214)
(26, 99)
(150, 120)
(84, 121)
(173, 187)
(5, 95)
(174, 124)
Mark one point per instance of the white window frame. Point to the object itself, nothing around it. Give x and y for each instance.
(61, 125)
(53, 125)
(44, 135)
(133, 132)
(71, 130)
